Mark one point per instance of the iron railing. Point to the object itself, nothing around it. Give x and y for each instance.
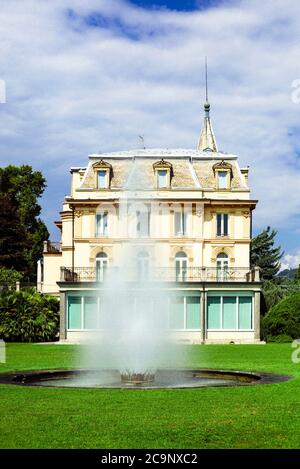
(52, 247)
(162, 274)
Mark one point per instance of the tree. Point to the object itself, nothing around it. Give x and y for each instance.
(282, 322)
(297, 275)
(13, 239)
(265, 255)
(24, 186)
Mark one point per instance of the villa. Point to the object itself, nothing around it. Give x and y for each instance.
(189, 215)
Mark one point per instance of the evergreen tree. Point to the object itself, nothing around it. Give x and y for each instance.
(23, 187)
(13, 239)
(265, 255)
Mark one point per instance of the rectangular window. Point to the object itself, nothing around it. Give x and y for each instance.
(222, 179)
(143, 223)
(245, 312)
(180, 223)
(90, 312)
(192, 312)
(177, 313)
(102, 179)
(214, 312)
(102, 224)
(229, 312)
(74, 312)
(162, 178)
(222, 224)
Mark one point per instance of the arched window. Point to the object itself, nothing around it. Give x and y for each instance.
(181, 266)
(143, 263)
(222, 266)
(101, 266)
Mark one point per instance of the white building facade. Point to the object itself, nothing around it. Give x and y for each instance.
(188, 214)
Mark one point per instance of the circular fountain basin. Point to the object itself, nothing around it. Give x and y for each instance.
(164, 378)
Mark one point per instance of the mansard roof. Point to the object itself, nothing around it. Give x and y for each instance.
(191, 169)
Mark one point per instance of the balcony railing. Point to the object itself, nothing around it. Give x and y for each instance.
(52, 247)
(164, 274)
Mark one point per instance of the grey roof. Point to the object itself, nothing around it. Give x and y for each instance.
(191, 169)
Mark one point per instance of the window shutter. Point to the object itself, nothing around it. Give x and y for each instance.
(219, 224)
(225, 224)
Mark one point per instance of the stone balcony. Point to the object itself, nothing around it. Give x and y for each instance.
(164, 274)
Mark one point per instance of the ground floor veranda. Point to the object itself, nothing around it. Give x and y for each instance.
(204, 312)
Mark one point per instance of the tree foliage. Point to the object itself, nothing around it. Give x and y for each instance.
(27, 316)
(282, 322)
(297, 275)
(20, 188)
(265, 255)
(13, 239)
(9, 277)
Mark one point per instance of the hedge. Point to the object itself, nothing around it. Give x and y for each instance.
(28, 316)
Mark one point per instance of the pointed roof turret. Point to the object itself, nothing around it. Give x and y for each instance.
(207, 141)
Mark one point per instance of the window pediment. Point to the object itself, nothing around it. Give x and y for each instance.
(222, 166)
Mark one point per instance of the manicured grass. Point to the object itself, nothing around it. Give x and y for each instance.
(265, 416)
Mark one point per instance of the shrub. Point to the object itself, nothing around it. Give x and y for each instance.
(283, 319)
(9, 277)
(282, 338)
(27, 316)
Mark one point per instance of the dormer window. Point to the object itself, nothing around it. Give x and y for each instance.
(222, 179)
(103, 174)
(223, 175)
(162, 179)
(163, 174)
(101, 179)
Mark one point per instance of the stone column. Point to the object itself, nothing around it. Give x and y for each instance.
(203, 315)
(257, 315)
(63, 318)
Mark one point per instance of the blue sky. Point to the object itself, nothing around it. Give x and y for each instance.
(92, 76)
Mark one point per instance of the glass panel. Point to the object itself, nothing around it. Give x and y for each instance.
(101, 224)
(101, 179)
(162, 178)
(225, 224)
(74, 312)
(213, 312)
(176, 313)
(245, 312)
(219, 224)
(193, 312)
(177, 223)
(222, 179)
(184, 223)
(229, 312)
(90, 312)
(101, 268)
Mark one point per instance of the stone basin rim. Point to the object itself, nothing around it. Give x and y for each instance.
(34, 377)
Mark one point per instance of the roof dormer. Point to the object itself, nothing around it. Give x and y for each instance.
(103, 174)
(163, 174)
(223, 175)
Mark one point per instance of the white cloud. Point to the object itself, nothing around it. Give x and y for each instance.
(74, 89)
(290, 261)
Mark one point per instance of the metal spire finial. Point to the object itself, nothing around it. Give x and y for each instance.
(206, 92)
(207, 141)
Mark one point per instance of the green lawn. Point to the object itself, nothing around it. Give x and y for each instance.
(266, 416)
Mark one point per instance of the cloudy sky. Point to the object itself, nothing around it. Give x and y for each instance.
(83, 77)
